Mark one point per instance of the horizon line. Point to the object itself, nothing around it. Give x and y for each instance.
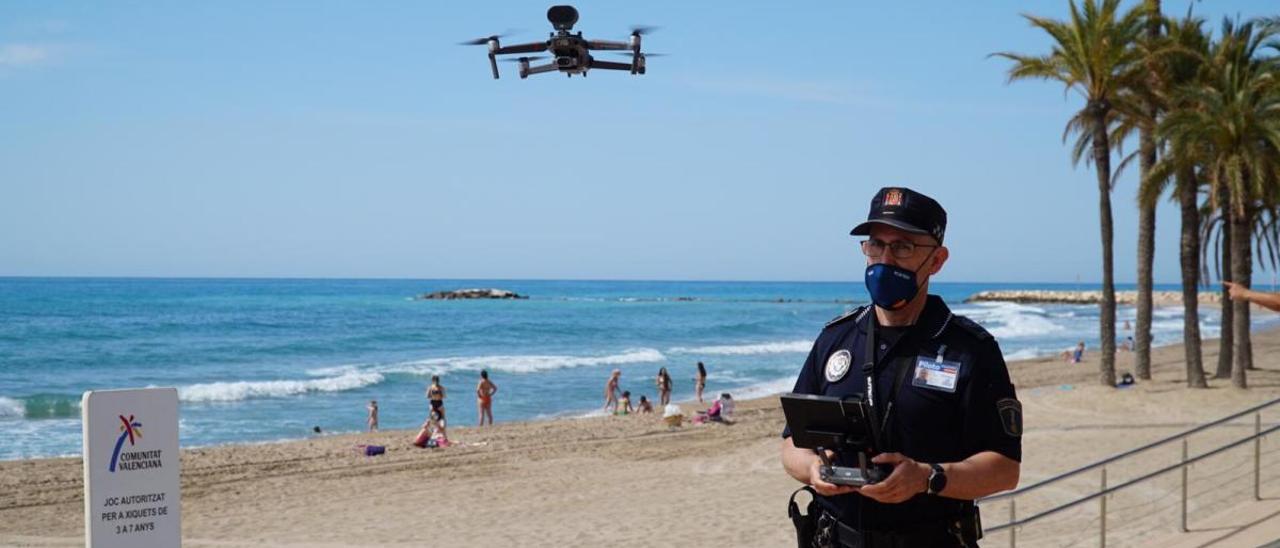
(536, 279)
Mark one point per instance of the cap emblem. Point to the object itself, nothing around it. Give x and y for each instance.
(893, 198)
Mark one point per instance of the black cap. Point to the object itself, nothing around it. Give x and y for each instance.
(905, 209)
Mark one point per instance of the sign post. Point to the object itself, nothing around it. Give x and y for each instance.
(131, 466)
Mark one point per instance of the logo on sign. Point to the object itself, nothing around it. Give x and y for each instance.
(131, 430)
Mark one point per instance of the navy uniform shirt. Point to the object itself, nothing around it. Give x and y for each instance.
(928, 423)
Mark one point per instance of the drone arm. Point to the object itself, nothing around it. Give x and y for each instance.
(607, 45)
(533, 47)
(493, 64)
(609, 65)
(549, 67)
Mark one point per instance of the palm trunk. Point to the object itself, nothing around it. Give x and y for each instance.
(1146, 212)
(1107, 319)
(1189, 254)
(1240, 318)
(1226, 338)
(1146, 256)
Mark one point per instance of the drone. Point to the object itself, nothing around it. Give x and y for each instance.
(572, 52)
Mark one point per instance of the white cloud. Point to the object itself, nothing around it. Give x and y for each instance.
(22, 55)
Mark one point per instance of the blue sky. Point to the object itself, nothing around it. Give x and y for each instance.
(342, 139)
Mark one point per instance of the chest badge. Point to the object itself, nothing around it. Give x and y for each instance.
(838, 365)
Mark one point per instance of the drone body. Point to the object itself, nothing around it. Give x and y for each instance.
(572, 52)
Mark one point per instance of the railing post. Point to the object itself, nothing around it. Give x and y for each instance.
(1013, 520)
(1103, 500)
(1257, 456)
(1184, 485)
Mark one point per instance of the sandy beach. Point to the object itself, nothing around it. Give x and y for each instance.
(632, 481)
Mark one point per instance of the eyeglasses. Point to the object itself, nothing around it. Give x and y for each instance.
(901, 249)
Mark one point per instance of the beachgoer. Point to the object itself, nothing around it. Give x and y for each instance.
(1127, 345)
(611, 392)
(952, 438)
(624, 404)
(645, 407)
(435, 427)
(1127, 327)
(373, 415)
(435, 395)
(1240, 293)
(700, 381)
(720, 411)
(1078, 354)
(663, 382)
(484, 397)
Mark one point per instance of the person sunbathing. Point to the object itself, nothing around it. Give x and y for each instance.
(720, 411)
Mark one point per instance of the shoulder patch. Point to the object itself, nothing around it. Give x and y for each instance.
(972, 327)
(1010, 411)
(854, 314)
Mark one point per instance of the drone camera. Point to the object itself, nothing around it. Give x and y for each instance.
(566, 62)
(562, 17)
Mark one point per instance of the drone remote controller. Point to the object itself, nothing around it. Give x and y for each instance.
(849, 475)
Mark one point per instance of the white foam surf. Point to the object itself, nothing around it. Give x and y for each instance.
(521, 363)
(11, 408)
(746, 349)
(243, 390)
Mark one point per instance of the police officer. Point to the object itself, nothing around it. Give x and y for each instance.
(952, 423)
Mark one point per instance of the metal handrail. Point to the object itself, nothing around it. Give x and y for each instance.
(1140, 479)
(1126, 454)
(1104, 491)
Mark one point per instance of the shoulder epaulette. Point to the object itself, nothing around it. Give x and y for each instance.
(971, 326)
(856, 314)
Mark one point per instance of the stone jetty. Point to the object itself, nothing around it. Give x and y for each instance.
(1026, 296)
(470, 294)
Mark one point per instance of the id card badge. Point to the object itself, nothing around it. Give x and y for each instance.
(936, 374)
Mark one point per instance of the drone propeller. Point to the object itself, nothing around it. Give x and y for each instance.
(643, 53)
(641, 30)
(486, 39)
(523, 59)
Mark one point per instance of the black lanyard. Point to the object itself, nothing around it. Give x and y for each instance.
(878, 426)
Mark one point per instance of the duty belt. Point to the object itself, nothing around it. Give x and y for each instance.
(964, 530)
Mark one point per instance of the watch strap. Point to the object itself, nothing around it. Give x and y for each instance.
(937, 479)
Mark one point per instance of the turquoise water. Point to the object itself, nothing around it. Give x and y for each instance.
(258, 360)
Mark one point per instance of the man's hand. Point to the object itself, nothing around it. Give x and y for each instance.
(908, 479)
(823, 488)
(1236, 291)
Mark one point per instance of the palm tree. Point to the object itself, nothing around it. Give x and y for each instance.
(1236, 116)
(1093, 54)
(1147, 210)
(1183, 55)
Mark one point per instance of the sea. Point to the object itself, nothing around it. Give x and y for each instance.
(259, 360)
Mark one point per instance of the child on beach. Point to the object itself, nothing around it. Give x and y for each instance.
(1078, 354)
(373, 415)
(624, 405)
(700, 381)
(645, 406)
(611, 392)
(484, 397)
